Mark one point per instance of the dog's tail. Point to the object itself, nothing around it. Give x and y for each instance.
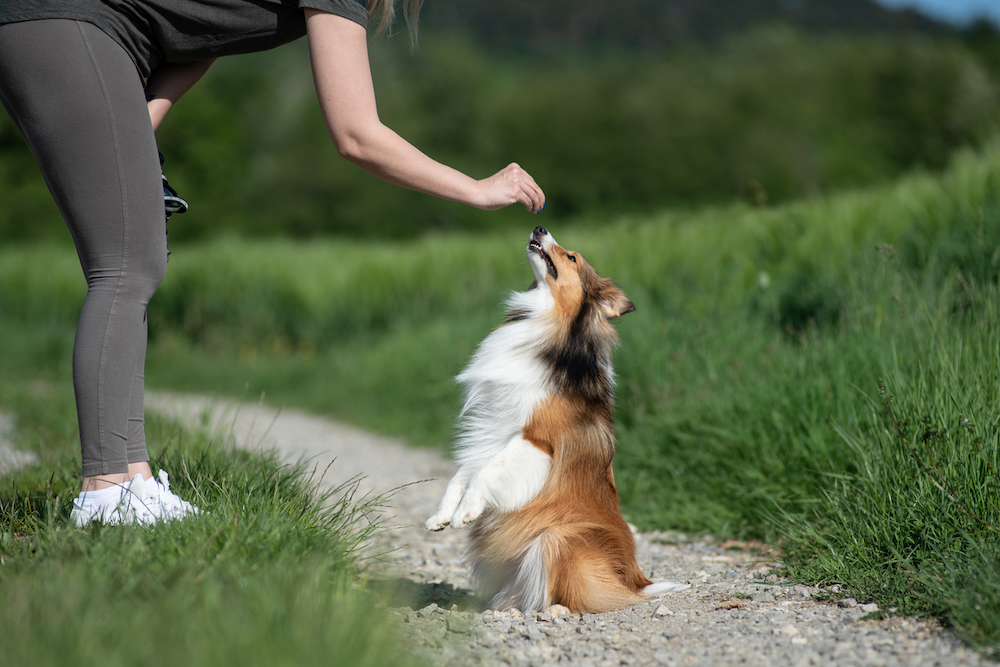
(658, 588)
(587, 567)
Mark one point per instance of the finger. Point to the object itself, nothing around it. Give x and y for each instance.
(529, 187)
(522, 191)
(534, 196)
(530, 180)
(539, 198)
(525, 195)
(535, 192)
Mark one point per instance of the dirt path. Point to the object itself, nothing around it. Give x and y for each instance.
(384, 463)
(10, 458)
(736, 612)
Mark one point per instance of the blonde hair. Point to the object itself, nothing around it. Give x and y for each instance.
(384, 12)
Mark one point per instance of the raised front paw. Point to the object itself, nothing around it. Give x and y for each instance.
(437, 522)
(467, 513)
(465, 519)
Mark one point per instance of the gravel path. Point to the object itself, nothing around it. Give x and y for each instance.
(10, 458)
(737, 611)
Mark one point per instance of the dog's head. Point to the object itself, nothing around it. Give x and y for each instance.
(574, 285)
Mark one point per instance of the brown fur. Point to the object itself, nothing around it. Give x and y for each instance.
(588, 549)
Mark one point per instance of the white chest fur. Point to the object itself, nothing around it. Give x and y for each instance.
(504, 382)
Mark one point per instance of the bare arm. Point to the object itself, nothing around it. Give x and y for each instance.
(339, 51)
(168, 82)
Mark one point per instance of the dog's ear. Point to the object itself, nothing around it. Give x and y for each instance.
(613, 302)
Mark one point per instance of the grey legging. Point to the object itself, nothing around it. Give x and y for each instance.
(78, 100)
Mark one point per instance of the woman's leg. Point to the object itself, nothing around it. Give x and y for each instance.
(78, 100)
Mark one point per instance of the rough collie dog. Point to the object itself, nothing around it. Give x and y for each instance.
(535, 444)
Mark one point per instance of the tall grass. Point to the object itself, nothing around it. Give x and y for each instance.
(266, 575)
(921, 508)
(751, 377)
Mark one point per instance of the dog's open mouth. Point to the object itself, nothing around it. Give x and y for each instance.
(535, 246)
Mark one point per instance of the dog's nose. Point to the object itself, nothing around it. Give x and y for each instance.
(541, 231)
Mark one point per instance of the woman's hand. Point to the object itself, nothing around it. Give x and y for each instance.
(338, 48)
(511, 185)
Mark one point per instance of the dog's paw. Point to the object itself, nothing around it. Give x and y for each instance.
(437, 523)
(464, 519)
(466, 515)
(558, 610)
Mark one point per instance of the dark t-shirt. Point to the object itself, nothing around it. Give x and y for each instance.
(177, 31)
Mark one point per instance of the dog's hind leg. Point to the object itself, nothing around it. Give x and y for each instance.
(452, 497)
(509, 481)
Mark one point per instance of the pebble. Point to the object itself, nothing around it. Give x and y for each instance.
(738, 611)
(780, 624)
(459, 623)
(428, 610)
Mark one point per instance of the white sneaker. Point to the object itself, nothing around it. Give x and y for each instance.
(115, 505)
(163, 502)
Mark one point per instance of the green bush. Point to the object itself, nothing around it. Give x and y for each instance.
(765, 117)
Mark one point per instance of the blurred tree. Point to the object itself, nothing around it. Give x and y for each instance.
(750, 108)
(657, 24)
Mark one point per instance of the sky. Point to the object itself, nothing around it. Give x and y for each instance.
(960, 12)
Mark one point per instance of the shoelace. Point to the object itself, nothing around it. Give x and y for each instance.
(172, 202)
(132, 507)
(170, 501)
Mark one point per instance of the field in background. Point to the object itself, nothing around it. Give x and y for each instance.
(824, 374)
(769, 114)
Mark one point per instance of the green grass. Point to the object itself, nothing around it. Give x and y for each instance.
(267, 575)
(823, 374)
(920, 511)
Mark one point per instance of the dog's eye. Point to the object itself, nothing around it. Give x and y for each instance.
(571, 258)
